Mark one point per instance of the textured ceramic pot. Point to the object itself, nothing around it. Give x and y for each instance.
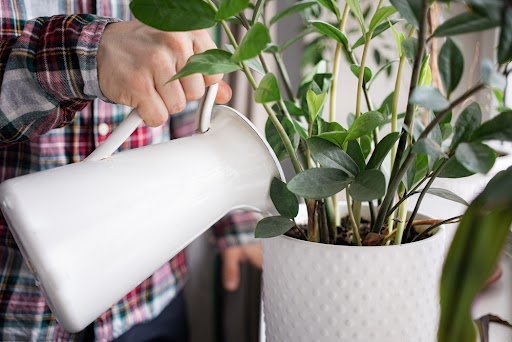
(318, 292)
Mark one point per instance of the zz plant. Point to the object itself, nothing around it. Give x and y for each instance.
(424, 141)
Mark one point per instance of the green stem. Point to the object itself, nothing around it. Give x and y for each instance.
(355, 229)
(402, 217)
(409, 116)
(432, 227)
(284, 75)
(422, 195)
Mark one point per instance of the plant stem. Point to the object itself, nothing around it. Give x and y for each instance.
(312, 227)
(429, 229)
(409, 116)
(322, 220)
(402, 217)
(422, 195)
(355, 228)
(284, 75)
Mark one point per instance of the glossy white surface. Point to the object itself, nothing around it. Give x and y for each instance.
(94, 230)
(317, 292)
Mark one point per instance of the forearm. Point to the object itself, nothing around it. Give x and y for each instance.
(47, 74)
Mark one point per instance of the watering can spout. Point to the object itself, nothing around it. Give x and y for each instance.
(139, 208)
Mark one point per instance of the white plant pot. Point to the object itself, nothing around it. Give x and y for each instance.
(318, 292)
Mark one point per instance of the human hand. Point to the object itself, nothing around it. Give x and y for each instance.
(135, 63)
(231, 259)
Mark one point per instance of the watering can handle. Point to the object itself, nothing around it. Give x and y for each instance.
(133, 120)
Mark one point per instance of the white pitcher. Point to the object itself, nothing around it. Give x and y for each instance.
(92, 231)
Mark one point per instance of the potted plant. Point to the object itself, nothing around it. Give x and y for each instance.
(367, 268)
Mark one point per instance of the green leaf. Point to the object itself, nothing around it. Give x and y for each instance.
(229, 8)
(409, 48)
(476, 157)
(378, 30)
(367, 72)
(429, 97)
(355, 8)
(382, 149)
(275, 141)
(318, 183)
(468, 121)
(380, 15)
(473, 255)
(409, 9)
(284, 200)
(176, 15)
(330, 31)
(386, 67)
(447, 194)
(273, 226)
(425, 72)
(330, 155)
(451, 65)
(254, 41)
(417, 171)
(355, 152)
(292, 9)
(337, 138)
(437, 137)
(332, 6)
(454, 169)
(365, 124)
(505, 41)
(268, 89)
(498, 128)
(253, 63)
(491, 77)
(446, 130)
(429, 147)
(368, 185)
(366, 145)
(210, 62)
(465, 23)
(315, 103)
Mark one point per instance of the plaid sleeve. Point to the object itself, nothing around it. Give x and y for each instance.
(236, 228)
(47, 74)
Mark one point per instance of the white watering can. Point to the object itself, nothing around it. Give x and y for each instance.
(92, 231)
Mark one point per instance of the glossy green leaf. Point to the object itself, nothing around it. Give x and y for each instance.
(315, 103)
(447, 194)
(378, 30)
(275, 141)
(296, 7)
(337, 138)
(229, 8)
(330, 155)
(437, 137)
(473, 256)
(253, 63)
(505, 40)
(330, 31)
(454, 169)
(365, 124)
(429, 147)
(491, 77)
(210, 62)
(409, 48)
(355, 8)
(366, 145)
(498, 128)
(367, 75)
(254, 42)
(451, 65)
(409, 9)
(380, 15)
(273, 226)
(332, 6)
(399, 38)
(429, 97)
(318, 183)
(368, 185)
(465, 23)
(417, 171)
(284, 200)
(268, 89)
(467, 122)
(176, 15)
(475, 157)
(382, 149)
(355, 152)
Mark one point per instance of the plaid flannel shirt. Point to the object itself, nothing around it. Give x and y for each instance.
(51, 115)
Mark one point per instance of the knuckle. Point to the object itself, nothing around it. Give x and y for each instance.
(195, 93)
(158, 58)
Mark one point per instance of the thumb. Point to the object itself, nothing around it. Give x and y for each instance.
(231, 269)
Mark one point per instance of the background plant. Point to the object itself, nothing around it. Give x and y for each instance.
(423, 141)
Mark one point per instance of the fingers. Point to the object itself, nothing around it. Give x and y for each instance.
(224, 93)
(152, 109)
(231, 258)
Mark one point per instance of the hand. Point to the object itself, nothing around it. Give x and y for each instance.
(231, 259)
(135, 62)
